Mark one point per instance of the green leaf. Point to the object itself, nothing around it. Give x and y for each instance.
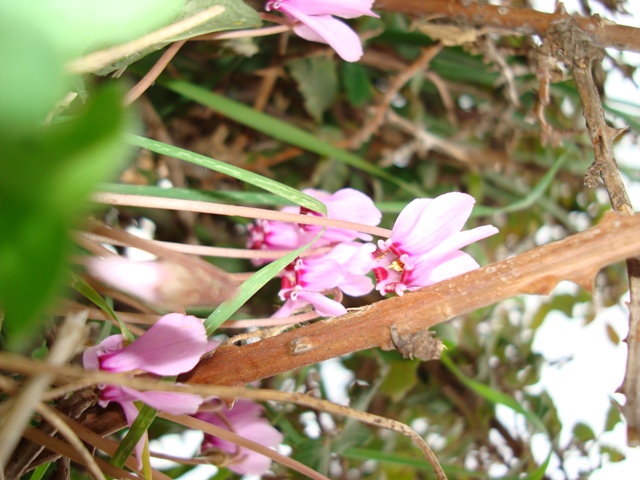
(613, 453)
(583, 432)
(318, 83)
(280, 130)
(613, 417)
(356, 83)
(400, 378)
(42, 192)
(237, 15)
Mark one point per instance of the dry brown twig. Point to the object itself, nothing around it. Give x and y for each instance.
(22, 405)
(579, 53)
(374, 123)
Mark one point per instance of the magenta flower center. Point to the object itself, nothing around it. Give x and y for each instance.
(291, 279)
(274, 5)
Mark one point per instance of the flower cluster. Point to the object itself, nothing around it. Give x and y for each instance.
(423, 248)
(345, 266)
(174, 345)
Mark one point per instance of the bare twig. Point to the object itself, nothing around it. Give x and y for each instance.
(520, 21)
(397, 83)
(155, 71)
(232, 210)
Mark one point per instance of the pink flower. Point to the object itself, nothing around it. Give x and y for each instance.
(305, 280)
(246, 419)
(346, 204)
(173, 345)
(318, 25)
(425, 243)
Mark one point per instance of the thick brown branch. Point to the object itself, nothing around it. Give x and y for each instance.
(577, 258)
(515, 20)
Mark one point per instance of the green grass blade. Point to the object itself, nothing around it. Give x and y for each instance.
(530, 198)
(141, 424)
(83, 288)
(281, 130)
(250, 286)
(265, 183)
(223, 196)
(39, 472)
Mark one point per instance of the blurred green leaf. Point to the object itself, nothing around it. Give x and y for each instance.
(400, 379)
(318, 83)
(236, 15)
(44, 180)
(583, 432)
(356, 83)
(614, 454)
(613, 417)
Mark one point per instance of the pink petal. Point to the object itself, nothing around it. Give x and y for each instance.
(172, 346)
(356, 285)
(354, 257)
(140, 279)
(323, 305)
(326, 29)
(455, 265)
(91, 356)
(462, 239)
(247, 421)
(289, 307)
(321, 274)
(340, 8)
(433, 223)
(352, 206)
(170, 402)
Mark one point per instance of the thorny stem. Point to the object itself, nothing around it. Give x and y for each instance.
(580, 54)
(522, 21)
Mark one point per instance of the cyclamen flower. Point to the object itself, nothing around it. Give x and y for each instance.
(246, 419)
(304, 280)
(318, 25)
(346, 204)
(424, 247)
(173, 345)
